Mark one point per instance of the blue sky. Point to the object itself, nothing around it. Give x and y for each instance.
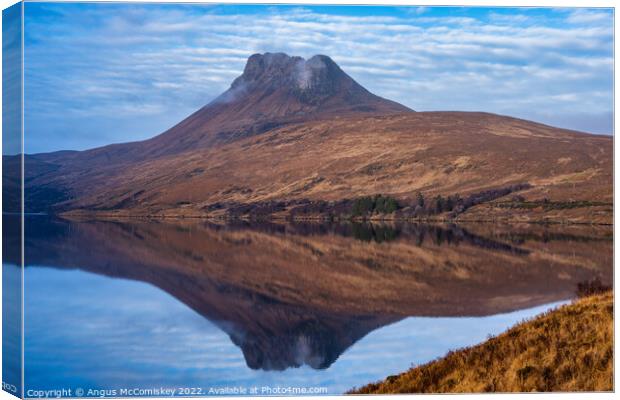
(11, 80)
(99, 73)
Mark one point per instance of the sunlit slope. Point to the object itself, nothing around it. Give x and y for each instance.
(569, 349)
(435, 153)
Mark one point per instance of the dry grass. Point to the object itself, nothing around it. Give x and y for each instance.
(568, 349)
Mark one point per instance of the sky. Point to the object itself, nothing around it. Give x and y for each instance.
(11, 80)
(101, 73)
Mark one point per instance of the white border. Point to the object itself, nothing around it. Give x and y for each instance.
(484, 3)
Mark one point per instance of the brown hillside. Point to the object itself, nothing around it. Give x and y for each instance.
(569, 349)
(436, 153)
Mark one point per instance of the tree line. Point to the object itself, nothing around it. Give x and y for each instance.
(366, 206)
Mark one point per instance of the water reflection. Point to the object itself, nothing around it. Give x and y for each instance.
(90, 331)
(11, 305)
(292, 295)
(379, 233)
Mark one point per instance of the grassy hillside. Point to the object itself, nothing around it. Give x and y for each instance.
(568, 349)
(435, 153)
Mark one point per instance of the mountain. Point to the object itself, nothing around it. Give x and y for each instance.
(273, 91)
(290, 131)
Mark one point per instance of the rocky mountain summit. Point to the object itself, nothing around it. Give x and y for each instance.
(282, 86)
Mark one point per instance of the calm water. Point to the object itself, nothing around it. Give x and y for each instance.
(149, 305)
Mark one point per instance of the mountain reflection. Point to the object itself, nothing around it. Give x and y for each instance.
(301, 294)
(379, 233)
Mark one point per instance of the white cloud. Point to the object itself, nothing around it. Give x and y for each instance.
(581, 15)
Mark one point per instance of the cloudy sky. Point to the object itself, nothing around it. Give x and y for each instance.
(100, 73)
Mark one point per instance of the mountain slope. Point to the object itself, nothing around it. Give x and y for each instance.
(400, 155)
(291, 129)
(275, 90)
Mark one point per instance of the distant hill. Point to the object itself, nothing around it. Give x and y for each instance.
(295, 129)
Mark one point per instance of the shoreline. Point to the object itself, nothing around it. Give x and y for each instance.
(106, 216)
